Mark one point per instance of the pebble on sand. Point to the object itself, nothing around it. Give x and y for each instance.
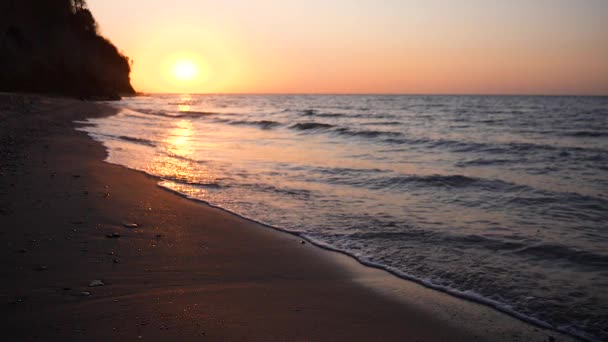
(131, 225)
(95, 283)
(85, 293)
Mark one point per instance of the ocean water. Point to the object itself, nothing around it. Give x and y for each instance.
(502, 200)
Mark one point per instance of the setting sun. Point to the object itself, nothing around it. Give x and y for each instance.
(185, 70)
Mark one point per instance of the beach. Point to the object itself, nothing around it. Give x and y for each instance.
(173, 269)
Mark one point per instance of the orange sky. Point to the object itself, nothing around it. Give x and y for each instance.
(364, 46)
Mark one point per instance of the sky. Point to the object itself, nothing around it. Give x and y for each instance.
(363, 46)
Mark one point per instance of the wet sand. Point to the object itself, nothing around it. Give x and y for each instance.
(187, 271)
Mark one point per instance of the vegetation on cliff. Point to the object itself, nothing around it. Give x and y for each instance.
(53, 46)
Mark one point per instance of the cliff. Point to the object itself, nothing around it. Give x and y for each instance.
(53, 46)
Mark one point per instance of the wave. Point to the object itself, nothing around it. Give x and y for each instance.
(193, 114)
(365, 113)
(384, 123)
(375, 181)
(140, 141)
(450, 181)
(263, 124)
(183, 114)
(301, 193)
(314, 112)
(345, 170)
(366, 133)
(561, 252)
(186, 181)
(589, 134)
(190, 160)
(305, 126)
(485, 162)
(307, 112)
(517, 148)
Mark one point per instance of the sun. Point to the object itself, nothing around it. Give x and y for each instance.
(185, 70)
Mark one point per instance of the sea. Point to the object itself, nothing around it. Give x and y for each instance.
(502, 200)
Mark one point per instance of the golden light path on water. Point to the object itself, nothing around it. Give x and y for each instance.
(179, 151)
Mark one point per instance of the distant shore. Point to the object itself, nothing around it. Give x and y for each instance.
(94, 251)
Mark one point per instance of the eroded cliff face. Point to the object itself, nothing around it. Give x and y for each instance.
(53, 46)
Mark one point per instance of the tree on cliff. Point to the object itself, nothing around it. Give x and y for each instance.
(53, 46)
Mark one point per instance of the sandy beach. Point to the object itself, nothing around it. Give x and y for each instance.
(94, 251)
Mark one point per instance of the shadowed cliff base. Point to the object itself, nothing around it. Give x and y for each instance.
(54, 47)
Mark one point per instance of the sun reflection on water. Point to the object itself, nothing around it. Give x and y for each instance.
(175, 163)
(184, 103)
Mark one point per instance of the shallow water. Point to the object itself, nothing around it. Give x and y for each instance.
(503, 200)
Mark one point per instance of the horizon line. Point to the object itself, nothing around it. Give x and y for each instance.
(139, 93)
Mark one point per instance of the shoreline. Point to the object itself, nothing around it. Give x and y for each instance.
(477, 299)
(190, 270)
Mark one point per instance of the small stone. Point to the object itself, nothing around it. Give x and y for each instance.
(95, 283)
(131, 225)
(115, 261)
(113, 236)
(303, 242)
(85, 293)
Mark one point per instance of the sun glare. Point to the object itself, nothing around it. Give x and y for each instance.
(185, 70)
